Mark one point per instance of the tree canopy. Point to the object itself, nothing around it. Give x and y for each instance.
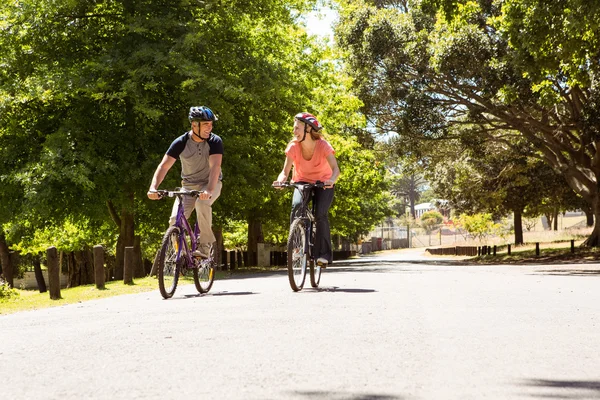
(509, 70)
(92, 93)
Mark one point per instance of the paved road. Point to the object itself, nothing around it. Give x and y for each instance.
(380, 328)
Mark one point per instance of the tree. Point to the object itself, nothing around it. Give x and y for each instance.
(519, 68)
(98, 90)
(430, 219)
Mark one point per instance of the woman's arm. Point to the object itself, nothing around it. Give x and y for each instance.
(287, 166)
(335, 171)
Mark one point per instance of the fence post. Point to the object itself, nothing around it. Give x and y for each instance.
(572, 246)
(239, 259)
(53, 273)
(232, 259)
(509, 249)
(494, 249)
(128, 264)
(99, 266)
(537, 249)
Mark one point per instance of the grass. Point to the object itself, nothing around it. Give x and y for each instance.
(33, 300)
(550, 253)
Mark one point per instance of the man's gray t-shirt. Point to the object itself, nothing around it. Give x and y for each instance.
(194, 157)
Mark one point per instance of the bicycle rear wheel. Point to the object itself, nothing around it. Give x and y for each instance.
(204, 274)
(168, 268)
(296, 255)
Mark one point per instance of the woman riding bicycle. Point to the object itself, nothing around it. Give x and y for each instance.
(313, 160)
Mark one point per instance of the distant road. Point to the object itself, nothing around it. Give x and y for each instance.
(393, 326)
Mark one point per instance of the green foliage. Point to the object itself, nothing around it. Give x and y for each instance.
(70, 236)
(6, 292)
(235, 235)
(430, 220)
(479, 226)
(509, 71)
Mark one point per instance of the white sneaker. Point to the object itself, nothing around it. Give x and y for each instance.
(322, 262)
(202, 251)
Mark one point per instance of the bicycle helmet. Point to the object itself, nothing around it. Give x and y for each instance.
(309, 119)
(201, 113)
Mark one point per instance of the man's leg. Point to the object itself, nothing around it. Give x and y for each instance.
(204, 215)
(188, 207)
(322, 247)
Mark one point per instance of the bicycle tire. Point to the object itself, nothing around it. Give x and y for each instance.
(315, 274)
(315, 269)
(297, 255)
(168, 268)
(204, 275)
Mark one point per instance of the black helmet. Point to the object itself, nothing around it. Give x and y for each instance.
(201, 113)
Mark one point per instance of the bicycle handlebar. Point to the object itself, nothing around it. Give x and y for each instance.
(180, 192)
(317, 184)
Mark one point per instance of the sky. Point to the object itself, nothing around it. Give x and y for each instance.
(320, 22)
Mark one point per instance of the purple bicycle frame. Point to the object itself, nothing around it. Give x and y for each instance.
(184, 226)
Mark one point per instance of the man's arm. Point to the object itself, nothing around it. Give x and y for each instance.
(214, 162)
(160, 173)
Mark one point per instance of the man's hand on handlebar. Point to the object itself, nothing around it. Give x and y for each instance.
(154, 194)
(205, 195)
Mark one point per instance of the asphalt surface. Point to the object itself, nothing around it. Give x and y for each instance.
(394, 326)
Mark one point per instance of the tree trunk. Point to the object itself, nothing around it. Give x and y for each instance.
(593, 239)
(549, 220)
(255, 234)
(72, 266)
(39, 277)
(7, 268)
(218, 232)
(518, 227)
(411, 199)
(126, 237)
(556, 219)
(138, 267)
(589, 217)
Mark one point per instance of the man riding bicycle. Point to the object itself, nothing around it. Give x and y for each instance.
(314, 160)
(201, 153)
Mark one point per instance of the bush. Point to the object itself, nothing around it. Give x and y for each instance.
(430, 220)
(6, 292)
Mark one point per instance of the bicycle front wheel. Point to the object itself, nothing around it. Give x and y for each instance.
(315, 268)
(204, 274)
(296, 255)
(168, 268)
(315, 274)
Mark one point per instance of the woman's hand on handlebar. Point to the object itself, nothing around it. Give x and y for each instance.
(328, 184)
(279, 184)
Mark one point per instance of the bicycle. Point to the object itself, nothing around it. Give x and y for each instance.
(301, 239)
(176, 258)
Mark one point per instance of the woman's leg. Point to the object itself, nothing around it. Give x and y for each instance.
(296, 204)
(322, 248)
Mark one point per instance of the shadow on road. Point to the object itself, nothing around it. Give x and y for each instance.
(341, 290)
(569, 272)
(317, 395)
(189, 296)
(593, 386)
